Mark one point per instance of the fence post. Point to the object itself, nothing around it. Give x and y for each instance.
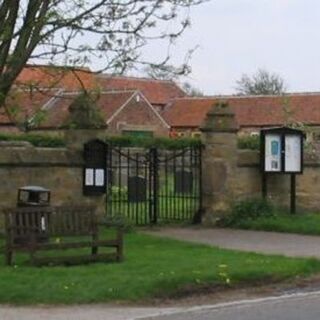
(155, 184)
(219, 161)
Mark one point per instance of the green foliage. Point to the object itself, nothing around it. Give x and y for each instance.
(299, 223)
(249, 142)
(162, 143)
(119, 221)
(84, 112)
(250, 209)
(35, 139)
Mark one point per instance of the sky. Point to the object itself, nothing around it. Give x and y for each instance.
(240, 36)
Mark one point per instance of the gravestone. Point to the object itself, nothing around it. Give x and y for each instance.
(183, 182)
(137, 189)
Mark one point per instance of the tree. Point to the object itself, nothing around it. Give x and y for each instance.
(261, 83)
(191, 90)
(73, 32)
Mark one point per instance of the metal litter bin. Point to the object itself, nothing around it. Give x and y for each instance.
(28, 197)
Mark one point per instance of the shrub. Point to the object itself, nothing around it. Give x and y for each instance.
(249, 142)
(119, 221)
(250, 209)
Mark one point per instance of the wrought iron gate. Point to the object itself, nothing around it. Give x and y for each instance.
(155, 185)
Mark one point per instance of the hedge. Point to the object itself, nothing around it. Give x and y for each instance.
(40, 140)
(36, 140)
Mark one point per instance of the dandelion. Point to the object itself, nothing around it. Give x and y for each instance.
(66, 287)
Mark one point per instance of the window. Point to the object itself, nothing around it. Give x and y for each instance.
(181, 134)
(196, 134)
(138, 133)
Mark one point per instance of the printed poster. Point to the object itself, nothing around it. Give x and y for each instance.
(273, 153)
(293, 153)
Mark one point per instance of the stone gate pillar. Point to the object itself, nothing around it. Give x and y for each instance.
(83, 124)
(219, 161)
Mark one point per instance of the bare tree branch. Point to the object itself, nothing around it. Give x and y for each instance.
(76, 31)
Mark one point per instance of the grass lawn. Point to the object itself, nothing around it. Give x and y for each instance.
(153, 267)
(302, 224)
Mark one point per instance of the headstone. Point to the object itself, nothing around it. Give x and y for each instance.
(183, 182)
(137, 189)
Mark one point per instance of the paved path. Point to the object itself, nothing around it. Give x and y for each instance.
(256, 241)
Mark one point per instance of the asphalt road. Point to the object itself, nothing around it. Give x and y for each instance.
(296, 307)
(301, 306)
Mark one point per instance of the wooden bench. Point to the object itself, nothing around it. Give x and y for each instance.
(36, 229)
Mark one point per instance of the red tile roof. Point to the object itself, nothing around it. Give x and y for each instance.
(24, 104)
(56, 77)
(108, 102)
(158, 92)
(250, 111)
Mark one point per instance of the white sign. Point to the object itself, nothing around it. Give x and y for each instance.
(293, 153)
(273, 153)
(99, 178)
(89, 177)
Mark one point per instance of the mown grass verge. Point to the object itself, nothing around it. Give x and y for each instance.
(308, 224)
(153, 268)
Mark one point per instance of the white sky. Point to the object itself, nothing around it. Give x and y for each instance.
(240, 36)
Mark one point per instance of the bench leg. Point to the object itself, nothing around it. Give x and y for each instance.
(120, 245)
(8, 256)
(94, 249)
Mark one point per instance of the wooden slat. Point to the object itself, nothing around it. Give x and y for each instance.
(24, 232)
(69, 245)
(70, 260)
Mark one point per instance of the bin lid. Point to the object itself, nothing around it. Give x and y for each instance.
(34, 188)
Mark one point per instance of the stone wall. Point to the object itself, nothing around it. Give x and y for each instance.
(232, 174)
(60, 170)
(248, 182)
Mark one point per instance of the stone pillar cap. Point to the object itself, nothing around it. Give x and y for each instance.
(220, 118)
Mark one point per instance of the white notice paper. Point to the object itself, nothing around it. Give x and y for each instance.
(273, 153)
(89, 177)
(99, 179)
(293, 153)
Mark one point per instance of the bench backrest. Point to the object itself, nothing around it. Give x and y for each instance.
(52, 221)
